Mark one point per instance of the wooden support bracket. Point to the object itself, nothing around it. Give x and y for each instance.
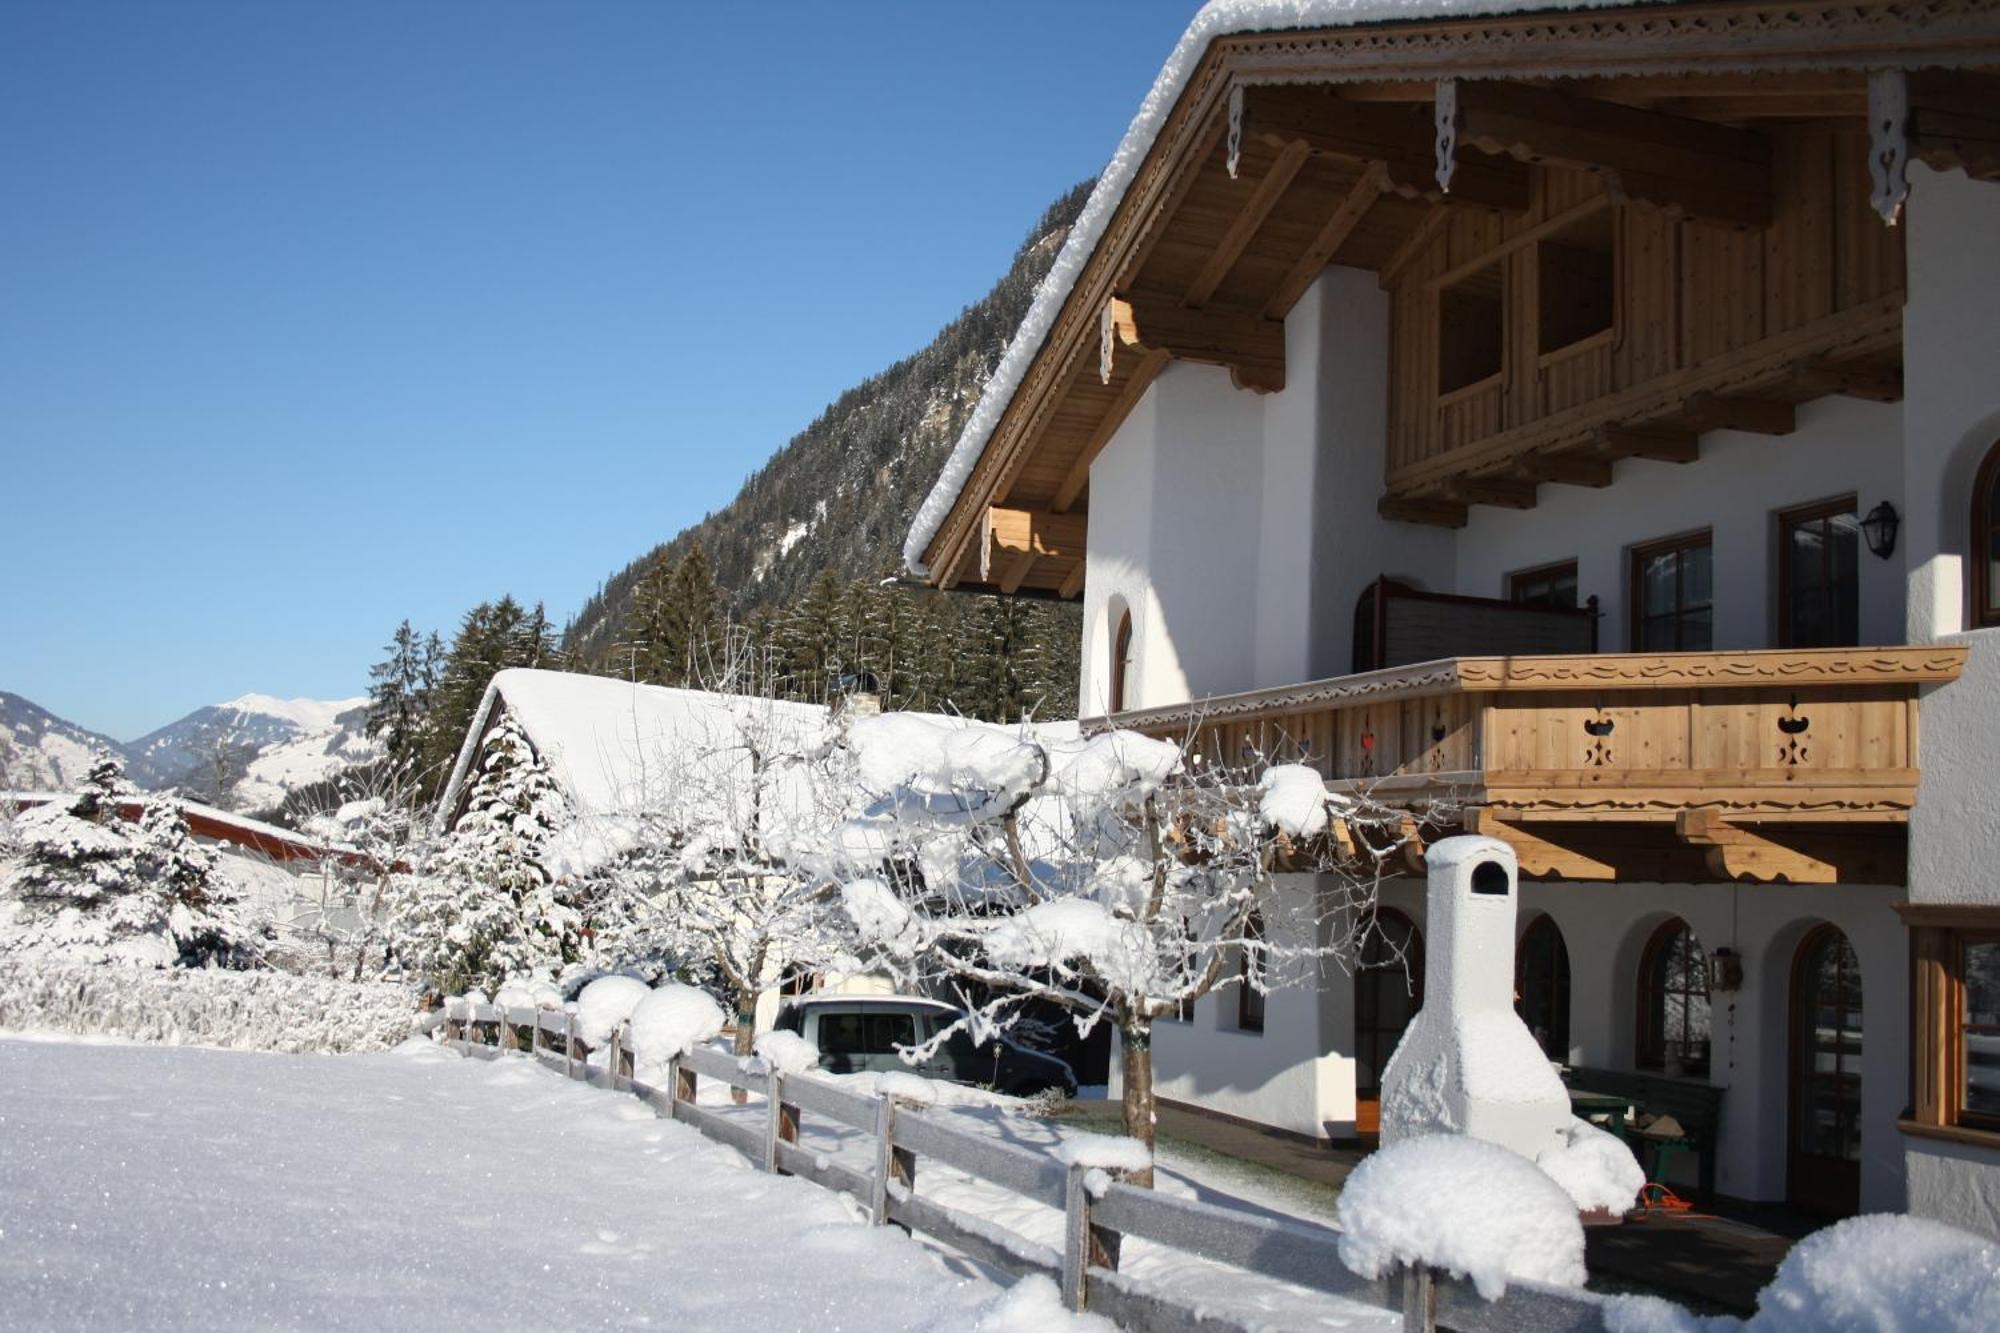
(1662, 444)
(1419, 509)
(1252, 347)
(1876, 381)
(1736, 852)
(1759, 416)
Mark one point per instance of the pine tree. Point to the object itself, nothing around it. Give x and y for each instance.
(91, 886)
(494, 909)
(397, 698)
(692, 621)
(641, 654)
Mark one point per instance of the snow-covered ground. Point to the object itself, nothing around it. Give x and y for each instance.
(156, 1188)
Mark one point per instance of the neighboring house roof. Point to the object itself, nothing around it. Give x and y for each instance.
(603, 739)
(1219, 18)
(213, 825)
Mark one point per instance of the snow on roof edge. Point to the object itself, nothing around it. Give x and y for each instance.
(1218, 18)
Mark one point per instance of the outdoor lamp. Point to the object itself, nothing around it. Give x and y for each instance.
(1725, 971)
(1879, 529)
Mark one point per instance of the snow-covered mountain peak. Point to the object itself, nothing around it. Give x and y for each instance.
(305, 714)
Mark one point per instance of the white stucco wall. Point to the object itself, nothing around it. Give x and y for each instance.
(1951, 326)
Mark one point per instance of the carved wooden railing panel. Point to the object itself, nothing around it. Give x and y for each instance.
(1812, 734)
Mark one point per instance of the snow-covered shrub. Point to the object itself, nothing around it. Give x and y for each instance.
(262, 1011)
(786, 1052)
(604, 1004)
(89, 886)
(528, 993)
(669, 1022)
(1595, 1168)
(1463, 1205)
(1884, 1272)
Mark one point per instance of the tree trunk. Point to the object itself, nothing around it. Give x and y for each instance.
(1135, 1041)
(746, 1034)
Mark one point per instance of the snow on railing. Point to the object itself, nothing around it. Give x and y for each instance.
(1099, 1210)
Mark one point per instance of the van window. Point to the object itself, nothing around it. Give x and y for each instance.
(865, 1033)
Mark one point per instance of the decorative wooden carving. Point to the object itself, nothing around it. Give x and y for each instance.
(1889, 142)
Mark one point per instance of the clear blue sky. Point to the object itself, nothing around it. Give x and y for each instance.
(317, 316)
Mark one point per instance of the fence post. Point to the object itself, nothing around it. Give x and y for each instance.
(1086, 1245)
(682, 1080)
(891, 1162)
(510, 1040)
(569, 1045)
(1419, 1299)
(781, 1124)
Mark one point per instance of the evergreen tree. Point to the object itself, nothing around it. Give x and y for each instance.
(398, 700)
(493, 908)
(692, 621)
(90, 886)
(641, 655)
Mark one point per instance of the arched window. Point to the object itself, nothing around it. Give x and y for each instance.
(1388, 991)
(1986, 541)
(1121, 660)
(1673, 1002)
(1541, 986)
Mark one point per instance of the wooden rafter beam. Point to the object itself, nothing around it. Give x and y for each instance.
(1704, 169)
(1243, 227)
(1072, 583)
(1876, 381)
(1137, 381)
(1723, 411)
(1252, 347)
(1016, 572)
(1326, 243)
(1011, 530)
(1399, 137)
(1661, 444)
(1425, 510)
(1538, 854)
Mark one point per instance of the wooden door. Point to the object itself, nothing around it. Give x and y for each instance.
(1824, 1157)
(1388, 991)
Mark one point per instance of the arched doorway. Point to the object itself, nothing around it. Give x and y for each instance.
(1121, 662)
(1824, 1158)
(1541, 986)
(1388, 991)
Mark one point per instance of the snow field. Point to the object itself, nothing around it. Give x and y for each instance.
(190, 1189)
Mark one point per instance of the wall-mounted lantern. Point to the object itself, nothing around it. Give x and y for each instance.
(1879, 529)
(1725, 971)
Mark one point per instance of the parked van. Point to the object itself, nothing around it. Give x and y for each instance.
(858, 1034)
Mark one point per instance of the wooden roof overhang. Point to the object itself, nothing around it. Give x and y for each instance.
(1257, 180)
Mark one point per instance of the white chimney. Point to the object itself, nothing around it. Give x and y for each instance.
(1467, 1064)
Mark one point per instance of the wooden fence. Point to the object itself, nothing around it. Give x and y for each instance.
(905, 1133)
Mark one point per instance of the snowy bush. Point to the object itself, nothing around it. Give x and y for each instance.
(1884, 1272)
(528, 993)
(786, 1052)
(604, 1004)
(261, 1011)
(1463, 1205)
(1595, 1168)
(669, 1022)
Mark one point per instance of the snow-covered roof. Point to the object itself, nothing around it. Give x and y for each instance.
(601, 737)
(1219, 18)
(204, 821)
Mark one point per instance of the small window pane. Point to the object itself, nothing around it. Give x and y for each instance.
(1982, 1027)
(840, 1034)
(888, 1031)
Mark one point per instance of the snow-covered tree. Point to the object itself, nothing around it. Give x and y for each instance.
(715, 882)
(1116, 877)
(490, 907)
(378, 832)
(88, 885)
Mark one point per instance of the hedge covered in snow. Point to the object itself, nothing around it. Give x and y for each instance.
(259, 1011)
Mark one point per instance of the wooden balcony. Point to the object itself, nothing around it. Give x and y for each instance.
(1787, 764)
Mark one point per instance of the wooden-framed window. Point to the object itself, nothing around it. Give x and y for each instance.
(1955, 1017)
(1673, 608)
(1674, 1018)
(1549, 586)
(1388, 991)
(1121, 660)
(1819, 575)
(1541, 986)
(1986, 541)
(1250, 962)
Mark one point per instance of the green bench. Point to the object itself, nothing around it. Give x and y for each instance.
(1696, 1105)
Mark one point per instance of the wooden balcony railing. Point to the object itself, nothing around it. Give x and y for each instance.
(1700, 743)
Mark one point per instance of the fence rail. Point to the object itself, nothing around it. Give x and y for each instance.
(904, 1133)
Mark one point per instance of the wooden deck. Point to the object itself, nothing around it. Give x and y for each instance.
(1793, 764)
